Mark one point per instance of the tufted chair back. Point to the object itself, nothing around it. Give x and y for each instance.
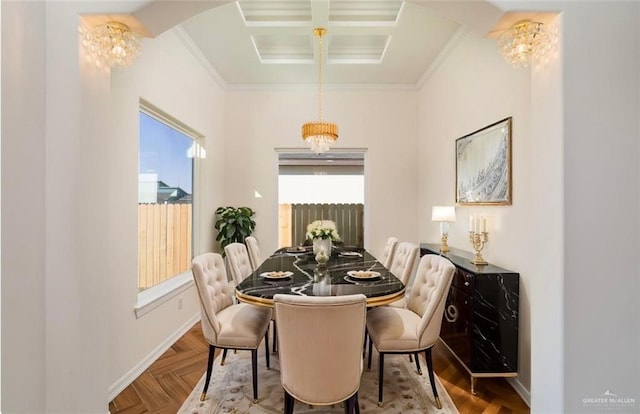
(239, 264)
(429, 294)
(254, 251)
(403, 261)
(320, 340)
(389, 250)
(214, 291)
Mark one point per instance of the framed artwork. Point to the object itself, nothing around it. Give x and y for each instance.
(483, 166)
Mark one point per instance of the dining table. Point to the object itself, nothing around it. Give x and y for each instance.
(295, 271)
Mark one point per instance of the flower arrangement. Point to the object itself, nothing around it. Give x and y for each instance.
(323, 229)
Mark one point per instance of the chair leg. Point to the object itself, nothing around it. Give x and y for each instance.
(224, 356)
(380, 377)
(364, 346)
(212, 351)
(370, 352)
(288, 403)
(275, 338)
(351, 405)
(266, 347)
(427, 356)
(254, 368)
(417, 363)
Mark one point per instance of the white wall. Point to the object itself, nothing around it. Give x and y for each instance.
(170, 78)
(546, 289)
(599, 107)
(602, 220)
(54, 276)
(69, 207)
(23, 247)
(383, 121)
(472, 88)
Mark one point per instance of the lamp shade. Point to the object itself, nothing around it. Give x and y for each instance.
(443, 213)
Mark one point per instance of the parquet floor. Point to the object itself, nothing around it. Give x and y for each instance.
(167, 383)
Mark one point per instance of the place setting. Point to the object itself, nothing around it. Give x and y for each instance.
(359, 276)
(350, 254)
(297, 250)
(276, 276)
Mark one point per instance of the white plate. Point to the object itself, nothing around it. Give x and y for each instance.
(363, 274)
(296, 250)
(276, 275)
(350, 254)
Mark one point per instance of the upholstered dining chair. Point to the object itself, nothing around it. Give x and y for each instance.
(321, 348)
(238, 261)
(225, 325)
(254, 251)
(254, 257)
(415, 329)
(389, 250)
(404, 260)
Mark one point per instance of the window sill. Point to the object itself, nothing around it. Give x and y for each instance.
(151, 298)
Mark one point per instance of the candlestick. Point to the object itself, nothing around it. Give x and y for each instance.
(478, 240)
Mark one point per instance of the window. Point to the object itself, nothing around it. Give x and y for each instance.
(166, 171)
(328, 186)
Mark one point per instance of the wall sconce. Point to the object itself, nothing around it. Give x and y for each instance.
(114, 43)
(445, 215)
(524, 43)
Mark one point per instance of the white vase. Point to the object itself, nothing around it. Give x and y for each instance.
(322, 244)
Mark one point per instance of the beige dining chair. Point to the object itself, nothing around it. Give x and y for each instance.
(320, 348)
(404, 260)
(254, 251)
(239, 262)
(388, 252)
(417, 328)
(225, 325)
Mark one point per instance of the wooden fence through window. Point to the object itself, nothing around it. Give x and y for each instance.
(294, 219)
(164, 242)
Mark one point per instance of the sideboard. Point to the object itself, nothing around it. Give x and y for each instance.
(480, 322)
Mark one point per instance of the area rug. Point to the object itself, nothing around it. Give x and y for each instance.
(230, 390)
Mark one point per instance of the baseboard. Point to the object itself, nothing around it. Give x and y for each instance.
(524, 393)
(126, 380)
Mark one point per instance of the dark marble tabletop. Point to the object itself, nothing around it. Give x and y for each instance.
(310, 279)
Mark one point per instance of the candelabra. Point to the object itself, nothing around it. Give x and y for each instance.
(478, 240)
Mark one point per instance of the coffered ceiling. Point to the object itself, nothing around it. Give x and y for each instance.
(367, 42)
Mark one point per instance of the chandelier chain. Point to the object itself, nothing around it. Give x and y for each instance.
(320, 76)
(320, 135)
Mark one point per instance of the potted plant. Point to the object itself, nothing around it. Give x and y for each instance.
(233, 225)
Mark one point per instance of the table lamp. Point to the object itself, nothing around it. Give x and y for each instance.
(443, 214)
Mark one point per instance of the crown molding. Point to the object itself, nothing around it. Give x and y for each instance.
(195, 51)
(325, 87)
(453, 42)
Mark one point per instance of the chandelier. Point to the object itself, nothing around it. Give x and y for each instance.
(319, 135)
(525, 43)
(114, 43)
